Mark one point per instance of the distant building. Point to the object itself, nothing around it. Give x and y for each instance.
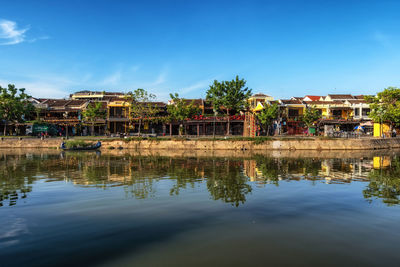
(96, 95)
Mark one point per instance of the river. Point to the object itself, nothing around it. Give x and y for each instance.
(120, 208)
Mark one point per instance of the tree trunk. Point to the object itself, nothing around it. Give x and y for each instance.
(5, 128)
(229, 123)
(140, 124)
(268, 130)
(92, 129)
(213, 128)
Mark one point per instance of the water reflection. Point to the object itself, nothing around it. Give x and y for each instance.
(384, 181)
(227, 179)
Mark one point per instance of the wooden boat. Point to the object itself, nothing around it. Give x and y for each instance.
(93, 147)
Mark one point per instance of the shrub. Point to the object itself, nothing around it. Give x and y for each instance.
(77, 143)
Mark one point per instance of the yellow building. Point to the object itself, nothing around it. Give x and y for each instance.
(257, 101)
(118, 114)
(381, 129)
(332, 109)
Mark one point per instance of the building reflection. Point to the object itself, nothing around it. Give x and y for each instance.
(272, 170)
(229, 180)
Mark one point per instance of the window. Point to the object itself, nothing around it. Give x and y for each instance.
(366, 111)
(357, 112)
(293, 112)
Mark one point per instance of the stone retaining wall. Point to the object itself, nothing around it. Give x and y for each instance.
(284, 144)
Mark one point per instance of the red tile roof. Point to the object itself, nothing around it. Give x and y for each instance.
(313, 97)
(335, 96)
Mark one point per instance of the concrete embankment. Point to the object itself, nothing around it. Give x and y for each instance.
(210, 145)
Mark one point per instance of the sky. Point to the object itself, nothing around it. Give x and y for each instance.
(281, 48)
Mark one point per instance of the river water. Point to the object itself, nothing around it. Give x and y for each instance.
(123, 208)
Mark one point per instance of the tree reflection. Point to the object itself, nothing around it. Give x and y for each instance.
(17, 173)
(275, 169)
(385, 184)
(228, 184)
(227, 179)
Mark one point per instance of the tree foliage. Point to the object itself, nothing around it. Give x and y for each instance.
(93, 112)
(142, 106)
(268, 115)
(385, 106)
(180, 110)
(14, 105)
(310, 116)
(231, 95)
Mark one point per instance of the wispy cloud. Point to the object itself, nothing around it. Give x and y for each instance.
(161, 78)
(38, 38)
(112, 79)
(47, 85)
(196, 86)
(10, 34)
(41, 89)
(382, 39)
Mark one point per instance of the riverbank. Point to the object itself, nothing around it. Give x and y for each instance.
(235, 144)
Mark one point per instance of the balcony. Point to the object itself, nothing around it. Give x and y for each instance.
(362, 117)
(118, 118)
(295, 118)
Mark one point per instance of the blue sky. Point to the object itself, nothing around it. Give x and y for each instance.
(282, 48)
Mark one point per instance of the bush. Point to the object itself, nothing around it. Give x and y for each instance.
(77, 143)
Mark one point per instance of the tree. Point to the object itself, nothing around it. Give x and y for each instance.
(14, 105)
(267, 115)
(231, 95)
(141, 105)
(180, 110)
(310, 116)
(92, 113)
(385, 106)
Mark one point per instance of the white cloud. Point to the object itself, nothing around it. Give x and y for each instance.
(112, 79)
(10, 34)
(40, 89)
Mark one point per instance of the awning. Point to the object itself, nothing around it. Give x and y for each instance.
(368, 123)
(341, 108)
(259, 107)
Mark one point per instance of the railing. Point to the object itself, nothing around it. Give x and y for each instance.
(295, 118)
(219, 118)
(119, 116)
(343, 134)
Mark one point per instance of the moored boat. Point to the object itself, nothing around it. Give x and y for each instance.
(92, 147)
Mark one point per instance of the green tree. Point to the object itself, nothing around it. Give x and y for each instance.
(385, 106)
(267, 115)
(14, 105)
(310, 116)
(142, 105)
(93, 112)
(180, 110)
(231, 95)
